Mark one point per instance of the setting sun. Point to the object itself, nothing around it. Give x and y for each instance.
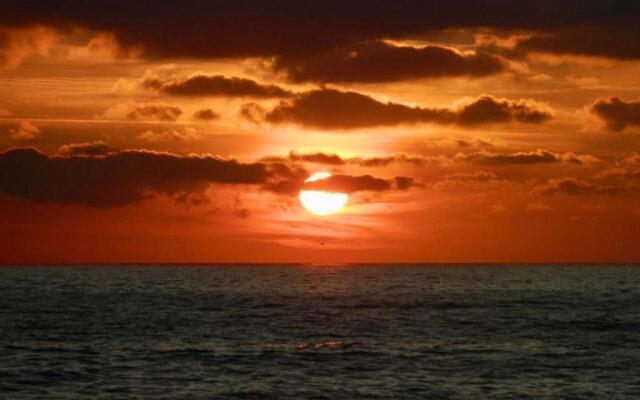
(321, 202)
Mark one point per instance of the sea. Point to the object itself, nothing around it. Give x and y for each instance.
(320, 332)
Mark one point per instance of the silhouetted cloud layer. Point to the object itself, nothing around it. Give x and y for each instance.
(239, 28)
(351, 184)
(381, 62)
(98, 175)
(116, 179)
(618, 42)
(333, 109)
(617, 113)
(335, 159)
(214, 85)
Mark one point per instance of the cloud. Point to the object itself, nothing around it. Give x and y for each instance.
(618, 42)
(295, 177)
(383, 161)
(253, 112)
(488, 109)
(17, 44)
(318, 158)
(377, 61)
(172, 135)
(24, 132)
(475, 142)
(104, 178)
(405, 182)
(87, 149)
(143, 112)
(335, 159)
(352, 184)
(118, 179)
(616, 113)
(214, 85)
(246, 28)
(206, 114)
(524, 158)
(572, 187)
(621, 173)
(467, 179)
(159, 112)
(333, 109)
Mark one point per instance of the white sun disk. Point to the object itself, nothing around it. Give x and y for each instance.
(321, 202)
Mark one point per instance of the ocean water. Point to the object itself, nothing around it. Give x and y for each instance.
(320, 332)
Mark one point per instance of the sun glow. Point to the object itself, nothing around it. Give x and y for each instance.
(321, 202)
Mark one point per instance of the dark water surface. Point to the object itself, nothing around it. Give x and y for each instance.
(315, 332)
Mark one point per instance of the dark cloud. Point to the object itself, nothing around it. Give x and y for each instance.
(338, 183)
(206, 114)
(240, 28)
(158, 112)
(381, 62)
(618, 42)
(404, 182)
(522, 158)
(214, 85)
(349, 184)
(87, 149)
(96, 175)
(488, 109)
(333, 109)
(335, 159)
(617, 113)
(117, 179)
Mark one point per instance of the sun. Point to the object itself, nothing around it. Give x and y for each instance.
(321, 202)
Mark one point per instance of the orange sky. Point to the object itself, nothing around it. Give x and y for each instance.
(507, 134)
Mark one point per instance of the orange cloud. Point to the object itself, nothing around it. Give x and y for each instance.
(24, 132)
(522, 158)
(87, 149)
(144, 112)
(17, 44)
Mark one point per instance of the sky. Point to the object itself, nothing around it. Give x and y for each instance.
(183, 131)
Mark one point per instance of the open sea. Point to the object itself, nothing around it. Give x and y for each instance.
(320, 332)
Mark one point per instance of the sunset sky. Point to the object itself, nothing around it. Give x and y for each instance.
(183, 131)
